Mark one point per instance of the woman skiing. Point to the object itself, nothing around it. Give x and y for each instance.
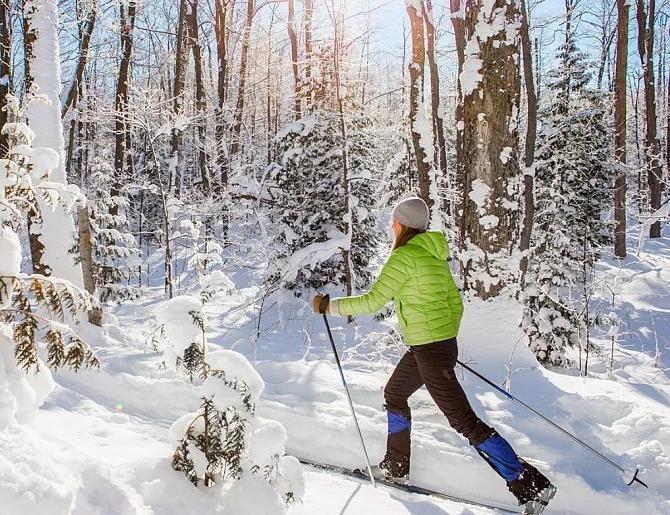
(429, 309)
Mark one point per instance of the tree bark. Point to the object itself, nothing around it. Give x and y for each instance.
(122, 137)
(220, 21)
(459, 38)
(85, 45)
(646, 18)
(244, 63)
(293, 38)
(200, 95)
(491, 173)
(181, 61)
(5, 71)
(531, 138)
(309, 15)
(436, 107)
(423, 146)
(620, 99)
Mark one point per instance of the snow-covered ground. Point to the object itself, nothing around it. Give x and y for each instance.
(101, 445)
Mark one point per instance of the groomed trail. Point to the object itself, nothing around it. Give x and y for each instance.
(106, 432)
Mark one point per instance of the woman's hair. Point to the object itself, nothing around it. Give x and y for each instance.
(405, 234)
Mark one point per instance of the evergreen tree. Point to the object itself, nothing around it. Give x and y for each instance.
(115, 251)
(573, 173)
(310, 198)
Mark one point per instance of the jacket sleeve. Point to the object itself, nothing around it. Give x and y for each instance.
(393, 277)
(454, 300)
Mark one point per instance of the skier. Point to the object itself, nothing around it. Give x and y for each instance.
(429, 309)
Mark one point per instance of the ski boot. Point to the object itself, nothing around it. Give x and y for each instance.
(532, 489)
(383, 473)
(537, 505)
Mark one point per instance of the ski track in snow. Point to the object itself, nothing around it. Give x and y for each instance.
(107, 429)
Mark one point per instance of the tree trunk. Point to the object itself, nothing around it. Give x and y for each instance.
(200, 95)
(5, 71)
(646, 24)
(85, 45)
(86, 253)
(457, 21)
(348, 227)
(620, 98)
(491, 174)
(531, 138)
(220, 20)
(436, 107)
(309, 15)
(122, 139)
(422, 139)
(244, 60)
(52, 233)
(293, 38)
(181, 61)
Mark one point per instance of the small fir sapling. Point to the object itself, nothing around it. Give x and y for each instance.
(116, 255)
(223, 440)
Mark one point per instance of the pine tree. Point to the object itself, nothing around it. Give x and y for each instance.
(115, 251)
(309, 196)
(573, 173)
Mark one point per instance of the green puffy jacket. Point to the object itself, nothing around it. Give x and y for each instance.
(417, 276)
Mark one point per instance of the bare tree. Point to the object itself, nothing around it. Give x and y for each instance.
(423, 147)
(127, 13)
(241, 92)
(646, 20)
(620, 123)
(5, 70)
(181, 62)
(531, 139)
(293, 38)
(200, 95)
(436, 108)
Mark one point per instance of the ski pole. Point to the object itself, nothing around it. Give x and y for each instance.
(556, 426)
(346, 388)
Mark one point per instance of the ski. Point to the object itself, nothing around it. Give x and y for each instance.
(407, 488)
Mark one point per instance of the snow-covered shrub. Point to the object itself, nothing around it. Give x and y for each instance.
(573, 179)
(35, 307)
(115, 251)
(223, 441)
(313, 207)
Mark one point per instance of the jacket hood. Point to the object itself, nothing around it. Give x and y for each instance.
(434, 242)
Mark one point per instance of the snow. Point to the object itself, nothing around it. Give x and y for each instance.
(313, 254)
(506, 154)
(251, 486)
(21, 394)
(471, 76)
(236, 366)
(479, 193)
(10, 265)
(176, 316)
(43, 112)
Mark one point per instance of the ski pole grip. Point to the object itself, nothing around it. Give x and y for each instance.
(323, 305)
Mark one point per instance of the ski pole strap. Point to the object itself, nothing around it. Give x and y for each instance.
(554, 425)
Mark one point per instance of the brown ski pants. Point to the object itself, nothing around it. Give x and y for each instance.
(433, 365)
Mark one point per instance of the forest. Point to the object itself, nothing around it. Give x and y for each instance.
(180, 178)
